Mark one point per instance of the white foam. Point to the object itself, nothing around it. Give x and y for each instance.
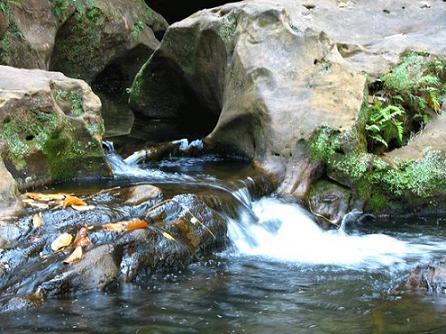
(286, 232)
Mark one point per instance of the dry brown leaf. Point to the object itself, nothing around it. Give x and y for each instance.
(45, 197)
(126, 226)
(37, 220)
(61, 242)
(75, 256)
(83, 207)
(136, 224)
(73, 200)
(35, 204)
(82, 238)
(168, 236)
(115, 227)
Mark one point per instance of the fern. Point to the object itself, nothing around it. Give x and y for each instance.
(385, 124)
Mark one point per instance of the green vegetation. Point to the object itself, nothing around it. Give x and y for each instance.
(228, 28)
(385, 124)
(137, 29)
(74, 98)
(324, 144)
(411, 94)
(13, 35)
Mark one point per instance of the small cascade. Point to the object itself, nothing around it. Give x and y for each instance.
(287, 232)
(129, 168)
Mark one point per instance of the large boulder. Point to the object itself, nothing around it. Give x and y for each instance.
(79, 38)
(50, 128)
(287, 79)
(105, 32)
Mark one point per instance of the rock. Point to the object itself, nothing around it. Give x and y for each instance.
(329, 201)
(142, 193)
(95, 271)
(262, 101)
(276, 73)
(80, 38)
(103, 33)
(8, 191)
(432, 278)
(29, 38)
(179, 231)
(51, 128)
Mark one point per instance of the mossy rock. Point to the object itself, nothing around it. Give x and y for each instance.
(97, 33)
(51, 127)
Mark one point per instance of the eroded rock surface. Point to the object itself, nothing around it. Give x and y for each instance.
(50, 128)
(276, 72)
(80, 38)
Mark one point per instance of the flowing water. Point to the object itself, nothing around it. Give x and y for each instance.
(282, 273)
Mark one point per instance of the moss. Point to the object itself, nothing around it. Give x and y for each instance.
(137, 29)
(228, 28)
(12, 37)
(324, 144)
(74, 98)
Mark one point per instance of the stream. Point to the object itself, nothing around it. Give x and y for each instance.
(281, 271)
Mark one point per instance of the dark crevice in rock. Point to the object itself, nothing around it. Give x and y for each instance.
(172, 11)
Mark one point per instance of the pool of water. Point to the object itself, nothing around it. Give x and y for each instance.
(281, 273)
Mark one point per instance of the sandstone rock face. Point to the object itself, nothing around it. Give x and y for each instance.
(275, 72)
(79, 38)
(50, 127)
(106, 32)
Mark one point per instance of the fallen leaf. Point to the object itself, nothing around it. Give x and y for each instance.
(61, 242)
(136, 224)
(37, 220)
(168, 236)
(115, 227)
(82, 238)
(83, 207)
(73, 200)
(45, 197)
(35, 204)
(126, 226)
(75, 256)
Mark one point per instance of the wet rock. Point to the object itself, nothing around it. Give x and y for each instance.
(51, 127)
(143, 193)
(16, 304)
(97, 269)
(329, 201)
(432, 278)
(179, 230)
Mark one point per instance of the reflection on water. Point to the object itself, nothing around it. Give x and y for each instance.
(244, 295)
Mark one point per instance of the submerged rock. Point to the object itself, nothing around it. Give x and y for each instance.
(432, 278)
(51, 128)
